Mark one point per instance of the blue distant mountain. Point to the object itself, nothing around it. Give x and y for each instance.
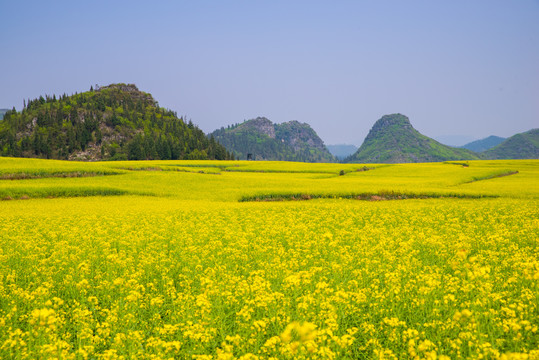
(454, 140)
(2, 112)
(341, 151)
(484, 144)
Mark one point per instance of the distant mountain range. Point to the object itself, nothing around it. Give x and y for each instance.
(393, 139)
(484, 144)
(2, 112)
(120, 122)
(341, 151)
(260, 139)
(454, 140)
(115, 122)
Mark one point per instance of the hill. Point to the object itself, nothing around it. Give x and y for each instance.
(2, 112)
(264, 140)
(341, 151)
(392, 139)
(483, 144)
(115, 122)
(520, 146)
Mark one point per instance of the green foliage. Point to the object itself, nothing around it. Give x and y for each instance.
(392, 139)
(520, 146)
(55, 192)
(289, 141)
(115, 122)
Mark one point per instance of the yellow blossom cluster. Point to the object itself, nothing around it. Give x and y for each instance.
(177, 277)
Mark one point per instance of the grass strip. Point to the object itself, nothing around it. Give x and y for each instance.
(492, 176)
(172, 169)
(23, 194)
(24, 175)
(378, 196)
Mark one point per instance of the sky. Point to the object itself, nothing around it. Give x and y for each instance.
(460, 70)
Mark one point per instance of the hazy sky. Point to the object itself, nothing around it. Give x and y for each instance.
(460, 67)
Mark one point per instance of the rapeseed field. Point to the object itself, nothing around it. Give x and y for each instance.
(268, 260)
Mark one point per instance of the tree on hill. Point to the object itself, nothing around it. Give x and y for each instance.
(108, 123)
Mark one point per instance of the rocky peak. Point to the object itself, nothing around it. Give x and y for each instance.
(392, 121)
(264, 140)
(130, 89)
(261, 125)
(392, 139)
(297, 134)
(121, 87)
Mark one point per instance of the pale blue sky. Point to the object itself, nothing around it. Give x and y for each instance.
(468, 68)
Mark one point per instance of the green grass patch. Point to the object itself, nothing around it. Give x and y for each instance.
(465, 164)
(365, 196)
(492, 176)
(40, 174)
(23, 194)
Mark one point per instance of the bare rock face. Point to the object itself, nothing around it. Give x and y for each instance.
(261, 125)
(298, 135)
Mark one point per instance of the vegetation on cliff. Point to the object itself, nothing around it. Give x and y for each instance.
(260, 139)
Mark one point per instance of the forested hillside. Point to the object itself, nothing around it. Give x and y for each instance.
(260, 139)
(115, 122)
(392, 139)
(519, 146)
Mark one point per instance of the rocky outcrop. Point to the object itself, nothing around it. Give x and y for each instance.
(260, 139)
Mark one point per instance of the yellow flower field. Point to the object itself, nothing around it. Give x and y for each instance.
(163, 260)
